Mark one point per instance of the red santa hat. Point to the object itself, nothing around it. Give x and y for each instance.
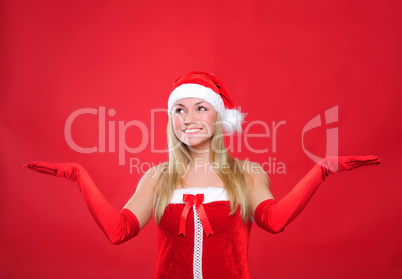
(209, 88)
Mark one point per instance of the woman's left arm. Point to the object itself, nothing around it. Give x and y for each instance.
(117, 226)
(273, 215)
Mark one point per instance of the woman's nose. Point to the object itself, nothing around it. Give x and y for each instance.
(190, 117)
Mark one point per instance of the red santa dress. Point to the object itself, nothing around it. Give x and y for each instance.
(186, 249)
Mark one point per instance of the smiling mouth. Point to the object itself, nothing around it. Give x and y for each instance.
(192, 131)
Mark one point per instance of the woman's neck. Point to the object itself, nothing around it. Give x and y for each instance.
(200, 153)
(203, 156)
(201, 162)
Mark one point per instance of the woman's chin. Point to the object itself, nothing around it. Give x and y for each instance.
(197, 144)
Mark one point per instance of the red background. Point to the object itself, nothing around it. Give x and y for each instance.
(281, 60)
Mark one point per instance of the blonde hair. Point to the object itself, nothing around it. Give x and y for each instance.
(228, 169)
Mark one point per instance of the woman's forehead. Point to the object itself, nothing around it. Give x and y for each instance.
(190, 102)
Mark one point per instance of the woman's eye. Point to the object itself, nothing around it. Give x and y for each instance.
(178, 111)
(201, 108)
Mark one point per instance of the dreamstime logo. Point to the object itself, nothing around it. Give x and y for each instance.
(112, 142)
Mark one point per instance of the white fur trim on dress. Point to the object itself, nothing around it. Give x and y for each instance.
(211, 194)
(231, 118)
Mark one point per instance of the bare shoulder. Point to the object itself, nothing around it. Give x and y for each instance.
(151, 176)
(257, 181)
(156, 171)
(253, 172)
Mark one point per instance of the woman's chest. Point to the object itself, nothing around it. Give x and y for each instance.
(202, 179)
(210, 204)
(218, 216)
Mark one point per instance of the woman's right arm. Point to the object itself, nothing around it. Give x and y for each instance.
(117, 226)
(141, 203)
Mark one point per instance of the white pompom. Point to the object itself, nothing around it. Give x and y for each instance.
(232, 120)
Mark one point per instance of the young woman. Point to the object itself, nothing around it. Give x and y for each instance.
(203, 200)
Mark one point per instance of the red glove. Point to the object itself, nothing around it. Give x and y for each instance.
(118, 227)
(274, 216)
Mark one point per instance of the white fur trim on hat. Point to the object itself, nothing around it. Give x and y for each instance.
(231, 118)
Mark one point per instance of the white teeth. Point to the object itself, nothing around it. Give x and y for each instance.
(192, 130)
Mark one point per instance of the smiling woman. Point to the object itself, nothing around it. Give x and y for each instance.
(194, 122)
(203, 199)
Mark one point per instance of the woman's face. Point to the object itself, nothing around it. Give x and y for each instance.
(194, 122)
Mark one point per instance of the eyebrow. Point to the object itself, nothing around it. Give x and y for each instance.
(196, 104)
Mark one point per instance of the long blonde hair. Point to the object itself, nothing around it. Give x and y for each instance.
(228, 169)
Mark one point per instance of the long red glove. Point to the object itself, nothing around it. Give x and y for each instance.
(117, 226)
(273, 216)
